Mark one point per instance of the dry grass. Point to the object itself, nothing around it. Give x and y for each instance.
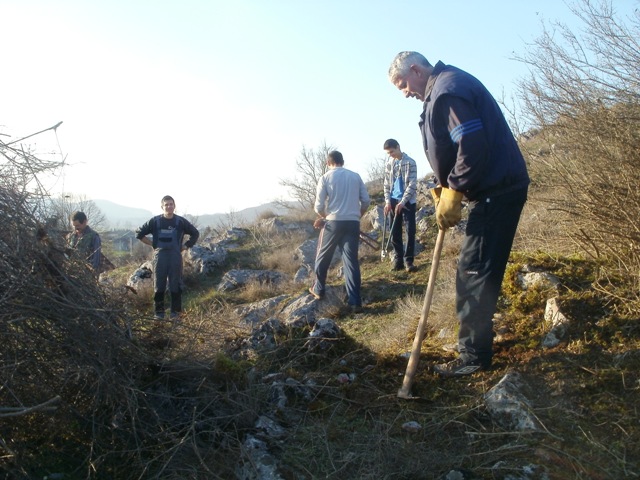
(121, 396)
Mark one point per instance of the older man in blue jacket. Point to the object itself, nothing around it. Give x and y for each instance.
(474, 156)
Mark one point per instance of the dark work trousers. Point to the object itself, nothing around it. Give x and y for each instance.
(167, 264)
(483, 259)
(344, 235)
(408, 218)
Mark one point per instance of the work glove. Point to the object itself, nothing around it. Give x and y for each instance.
(449, 208)
(435, 194)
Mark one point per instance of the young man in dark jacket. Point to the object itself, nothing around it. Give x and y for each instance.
(474, 156)
(167, 232)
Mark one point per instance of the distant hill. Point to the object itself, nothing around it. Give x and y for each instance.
(248, 215)
(120, 216)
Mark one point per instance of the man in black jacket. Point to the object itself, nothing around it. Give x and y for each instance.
(167, 231)
(474, 156)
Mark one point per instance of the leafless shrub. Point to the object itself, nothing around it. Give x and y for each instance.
(375, 173)
(113, 394)
(584, 99)
(64, 206)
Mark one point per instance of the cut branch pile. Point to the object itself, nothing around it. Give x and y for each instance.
(77, 393)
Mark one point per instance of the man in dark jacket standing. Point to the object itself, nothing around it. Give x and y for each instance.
(167, 231)
(85, 241)
(474, 156)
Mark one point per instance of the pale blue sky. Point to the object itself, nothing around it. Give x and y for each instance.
(211, 101)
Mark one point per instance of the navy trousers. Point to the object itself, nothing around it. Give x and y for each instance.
(483, 259)
(408, 218)
(345, 236)
(167, 265)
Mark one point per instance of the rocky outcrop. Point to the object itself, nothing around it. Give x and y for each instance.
(238, 278)
(256, 312)
(206, 260)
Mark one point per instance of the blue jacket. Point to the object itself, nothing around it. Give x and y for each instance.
(468, 142)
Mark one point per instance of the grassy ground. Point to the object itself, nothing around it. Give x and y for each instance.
(584, 393)
(192, 400)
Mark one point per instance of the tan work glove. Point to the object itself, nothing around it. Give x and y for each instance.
(449, 208)
(435, 194)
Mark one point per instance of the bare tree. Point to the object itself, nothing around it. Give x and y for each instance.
(376, 171)
(583, 98)
(65, 205)
(310, 166)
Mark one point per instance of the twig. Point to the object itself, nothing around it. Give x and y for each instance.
(17, 411)
(34, 134)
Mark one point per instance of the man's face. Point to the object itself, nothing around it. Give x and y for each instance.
(79, 226)
(412, 85)
(168, 207)
(394, 152)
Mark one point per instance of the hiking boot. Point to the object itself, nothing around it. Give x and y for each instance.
(397, 266)
(458, 368)
(158, 316)
(316, 295)
(357, 309)
(411, 268)
(175, 315)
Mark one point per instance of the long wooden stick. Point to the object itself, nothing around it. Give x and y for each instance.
(414, 359)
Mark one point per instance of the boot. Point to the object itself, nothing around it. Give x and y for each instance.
(176, 304)
(158, 300)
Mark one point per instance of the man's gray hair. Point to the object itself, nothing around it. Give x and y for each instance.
(403, 61)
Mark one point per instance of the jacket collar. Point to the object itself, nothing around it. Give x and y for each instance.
(432, 79)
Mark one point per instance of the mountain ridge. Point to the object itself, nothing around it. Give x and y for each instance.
(122, 216)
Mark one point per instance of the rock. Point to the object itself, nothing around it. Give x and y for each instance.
(237, 278)
(422, 215)
(143, 276)
(276, 225)
(306, 253)
(205, 260)
(262, 338)
(300, 312)
(269, 428)
(537, 279)
(376, 217)
(229, 240)
(508, 406)
(411, 427)
(559, 324)
(256, 312)
(256, 462)
(324, 333)
(302, 275)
